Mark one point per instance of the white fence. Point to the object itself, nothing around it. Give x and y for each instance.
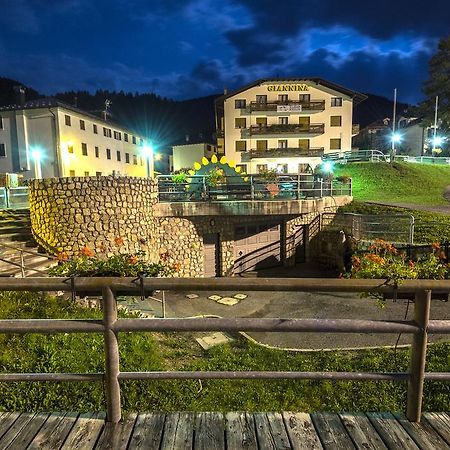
(14, 198)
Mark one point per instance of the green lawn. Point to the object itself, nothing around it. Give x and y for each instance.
(144, 351)
(419, 184)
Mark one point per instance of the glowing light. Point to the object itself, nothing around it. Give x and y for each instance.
(36, 154)
(396, 137)
(327, 167)
(438, 141)
(147, 150)
(158, 157)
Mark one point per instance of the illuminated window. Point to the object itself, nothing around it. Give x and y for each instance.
(261, 121)
(84, 150)
(335, 144)
(335, 121)
(242, 166)
(336, 101)
(70, 149)
(82, 125)
(240, 122)
(86, 174)
(261, 168)
(71, 173)
(261, 145)
(67, 120)
(241, 146)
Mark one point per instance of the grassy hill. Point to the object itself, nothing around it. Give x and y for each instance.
(414, 184)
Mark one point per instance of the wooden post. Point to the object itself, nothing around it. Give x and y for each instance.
(111, 357)
(418, 356)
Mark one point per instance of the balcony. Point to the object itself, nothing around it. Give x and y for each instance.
(289, 106)
(314, 128)
(288, 152)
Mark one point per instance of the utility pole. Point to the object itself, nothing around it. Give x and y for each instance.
(435, 125)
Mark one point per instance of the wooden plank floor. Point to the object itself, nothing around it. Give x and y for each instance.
(234, 431)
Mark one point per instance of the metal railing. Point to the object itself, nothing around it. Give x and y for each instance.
(344, 157)
(21, 252)
(14, 198)
(423, 159)
(111, 326)
(316, 105)
(282, 152)
(313, 128)
(249, 187)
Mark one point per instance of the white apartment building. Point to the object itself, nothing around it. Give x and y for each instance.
(285, 124)
(48, 138)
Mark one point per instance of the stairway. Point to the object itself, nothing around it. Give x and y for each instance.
(16, 240)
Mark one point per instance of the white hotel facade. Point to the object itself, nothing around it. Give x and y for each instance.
(48, 138)
(284, 124)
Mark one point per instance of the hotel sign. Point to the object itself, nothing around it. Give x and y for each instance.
(287, 87)
(289, 108)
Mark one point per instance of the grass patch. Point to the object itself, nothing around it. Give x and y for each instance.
(170, 351)
(419, 184)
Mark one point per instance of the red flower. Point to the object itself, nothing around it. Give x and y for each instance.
(86, 251)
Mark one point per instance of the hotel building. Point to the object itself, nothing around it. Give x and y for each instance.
(285, 124)
(48, 138)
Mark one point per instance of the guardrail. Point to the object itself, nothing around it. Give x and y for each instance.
(423, 159)
(111, 326)
(344, 157)
(14, 198)
(249, 187)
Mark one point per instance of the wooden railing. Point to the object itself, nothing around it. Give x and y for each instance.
(111, 326)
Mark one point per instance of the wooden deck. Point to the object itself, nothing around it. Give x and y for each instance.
(211, 431)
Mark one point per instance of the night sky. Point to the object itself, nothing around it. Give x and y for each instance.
(190, 48)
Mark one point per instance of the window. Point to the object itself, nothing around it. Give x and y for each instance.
(283, 98)
(118, 155)
(261, 168)
(94, 128)
(261, 145)
(86, 174)
(84, 150)
(108, 153)
(304, 168)
(125, 137)
(141, 141)
(82, 125)
(71, 173)
(304, 98)
(261, 121)
(134, 139)
(240, 104)
(282, 143)
(240, 122)
(70, 149)
(282, 168)
(335, 121)
(336, 101)
(261, 99)
(335, 144)
(241, 146)
(1, 123)
(303, 144)
(98, 174)
(67, 120)
(97, 153)
(304, 123)
(243, 168)
(135, 160)
(118, 135)
(127, 158)
(2, 151)
(283, 120)
(107, 132)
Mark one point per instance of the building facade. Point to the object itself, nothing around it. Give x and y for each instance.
(48, 138)
(185, 155)
(284, 124)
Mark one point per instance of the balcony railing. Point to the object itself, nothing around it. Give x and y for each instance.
(289, 106)
(288, 152)
(196, 188)
(314, 128)
(111, 326)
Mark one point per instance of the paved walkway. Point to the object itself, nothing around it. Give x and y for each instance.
(298, 305)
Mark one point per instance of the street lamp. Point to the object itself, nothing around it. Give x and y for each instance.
(147, 152)
(36, 154)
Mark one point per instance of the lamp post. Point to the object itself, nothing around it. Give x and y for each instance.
(147, 151)
(394, 137)
(433, 150)
(36, 155)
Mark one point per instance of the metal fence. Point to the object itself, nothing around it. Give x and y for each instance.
(249, 187)
(14, 198)
(395, 228)
(111, 326)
